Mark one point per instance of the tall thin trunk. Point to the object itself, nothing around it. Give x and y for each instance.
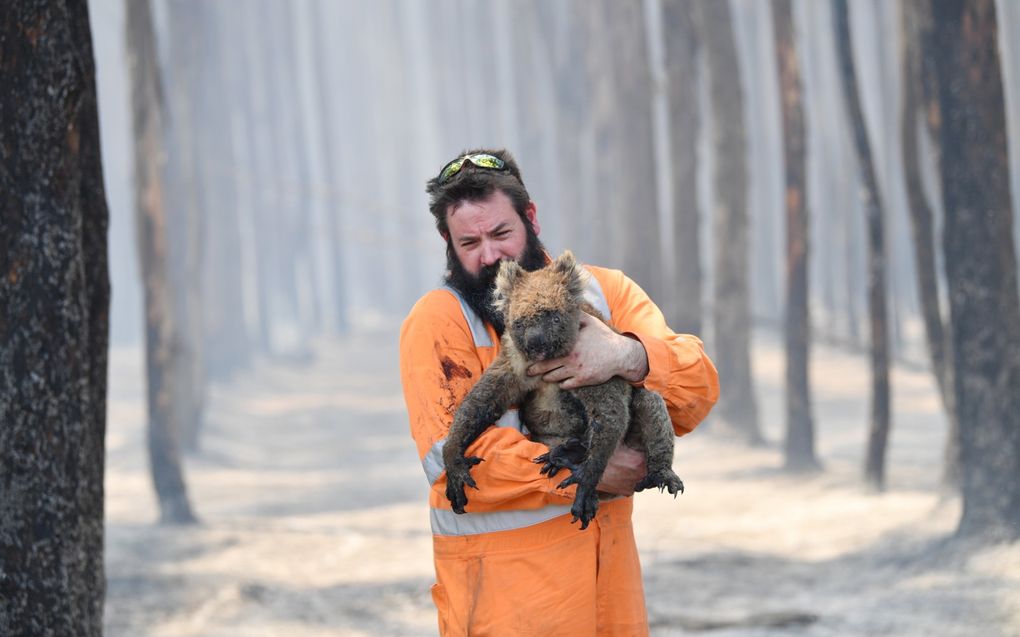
(731, 311)
(980, 265)
(635, 204)
(162, 339)
(328, 115)
(54, 309)
(915, 25)
(800, 430)
(878, 432)
(682, 48)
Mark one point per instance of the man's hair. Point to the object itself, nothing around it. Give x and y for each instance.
(474, 184)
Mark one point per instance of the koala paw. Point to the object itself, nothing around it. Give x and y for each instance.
(567, 455)
(664, 480)
(586, 505)
(457, 477)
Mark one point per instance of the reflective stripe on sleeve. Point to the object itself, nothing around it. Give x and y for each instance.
(446, 522)
(433, 460)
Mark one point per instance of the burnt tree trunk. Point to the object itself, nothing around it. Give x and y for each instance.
(54, 308)
(731, 311)
(916, 29)
(878, 431)
(800, 430)
(681, 49)
(635, 209)
(327, 116)
(980, 265)
(162, 340)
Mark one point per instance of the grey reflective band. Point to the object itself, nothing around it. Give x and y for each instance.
(433, 460)
(446, 522)
(594, 295)
(474, 321)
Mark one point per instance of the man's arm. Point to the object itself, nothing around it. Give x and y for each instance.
(439, 364)
(647, 352)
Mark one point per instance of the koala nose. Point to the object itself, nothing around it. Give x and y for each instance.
(534, 339)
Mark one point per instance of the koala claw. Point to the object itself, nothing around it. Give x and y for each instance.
(457, 477)
(566, 455)
(586, 505)
(664, 480)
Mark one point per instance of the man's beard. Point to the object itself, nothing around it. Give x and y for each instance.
(477, 290)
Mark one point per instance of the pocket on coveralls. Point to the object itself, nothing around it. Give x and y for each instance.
(442, 603)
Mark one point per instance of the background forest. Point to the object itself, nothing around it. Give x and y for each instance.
(823, 190)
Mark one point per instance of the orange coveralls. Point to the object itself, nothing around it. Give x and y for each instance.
(513, 564)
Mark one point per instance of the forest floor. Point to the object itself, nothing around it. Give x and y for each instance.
(314, 522)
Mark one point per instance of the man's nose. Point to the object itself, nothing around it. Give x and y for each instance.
(490, 253)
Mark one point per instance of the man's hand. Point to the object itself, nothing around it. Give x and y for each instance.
(625, 469)
(598, 355)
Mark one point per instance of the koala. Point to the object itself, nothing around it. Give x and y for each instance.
(582, 426)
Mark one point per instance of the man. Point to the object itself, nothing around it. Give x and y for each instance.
(514, 564)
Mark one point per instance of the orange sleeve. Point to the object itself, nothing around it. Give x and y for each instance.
(439, 364)
(678, 367)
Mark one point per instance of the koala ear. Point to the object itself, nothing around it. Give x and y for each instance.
(565, 262)
(510, 273)
(576, 276)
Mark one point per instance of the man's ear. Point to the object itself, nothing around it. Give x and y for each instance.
(510, 272)
(445, 235)
(531, 212)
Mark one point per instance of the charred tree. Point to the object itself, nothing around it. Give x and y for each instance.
(634, 207)
(800, 430)
(731, 310)
(878, 432)
(917, 94)
(682, 49)
(187, 153)
(162, 339)
(980, 265)
(54, 308)
(327, 117)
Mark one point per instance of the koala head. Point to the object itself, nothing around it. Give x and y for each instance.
(542, 309)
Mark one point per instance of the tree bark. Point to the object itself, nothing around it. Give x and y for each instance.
(162, 339)
(916, 28)
(682, 50)
(54, 307)
(731, 311)
(800, 431)
(878, 431)
(980, 265)
(634, 209)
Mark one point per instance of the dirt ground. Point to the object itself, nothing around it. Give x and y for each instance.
(314, 520)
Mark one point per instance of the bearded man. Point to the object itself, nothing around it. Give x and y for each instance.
(513, 564)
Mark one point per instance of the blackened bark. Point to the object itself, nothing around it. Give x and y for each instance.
(980, 265)
(682, 50)
(878, 431)
(634, 208)
(327, 113)
(54, 307)
(162, 340)
(916, 28)
(800, 431)
(731, 311)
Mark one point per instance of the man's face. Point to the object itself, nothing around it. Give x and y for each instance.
(485, 232)
(481, 234)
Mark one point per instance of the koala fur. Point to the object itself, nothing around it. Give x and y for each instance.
(582, 426)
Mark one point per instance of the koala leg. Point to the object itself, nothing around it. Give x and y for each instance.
(608, 414)
(483, 405)
(650, 417)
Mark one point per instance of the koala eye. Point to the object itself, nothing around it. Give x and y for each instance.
(556, 318)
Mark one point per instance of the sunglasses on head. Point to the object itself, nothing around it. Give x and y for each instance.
(481, 160)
